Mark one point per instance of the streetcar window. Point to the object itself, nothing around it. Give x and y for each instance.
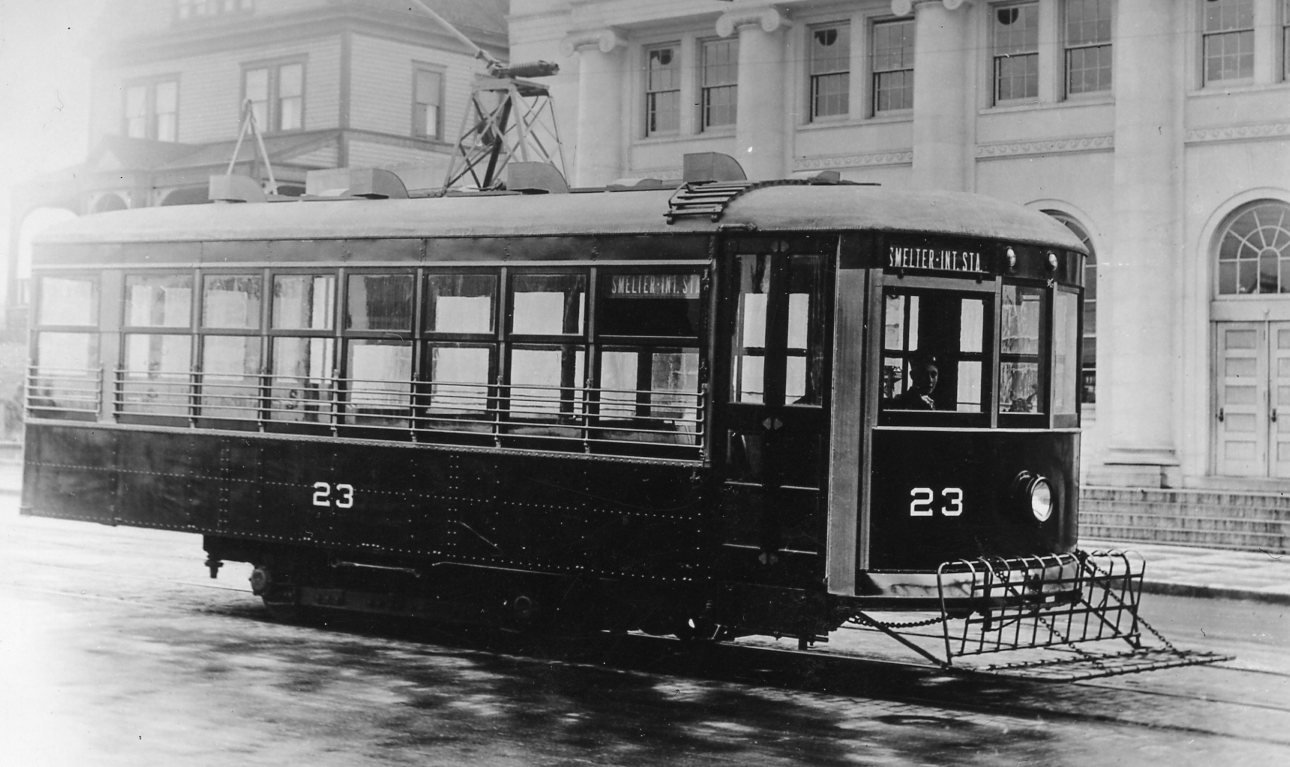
(231, 301)
(806, 323)
(749, 369)
(545, 381)
(656, 390)
(1066, 362)
(304, 301)
(379, 382)
(65, 377)
(159, 301)
(461, 375)
(1021, 384)
(649, 304)
(933, 352)
(229, 383)
(156, 373)
(379, 302)
(302, 388)
(68, 301)
(548, 304)
(460, 303)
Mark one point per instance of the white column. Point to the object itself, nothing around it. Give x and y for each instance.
(1140, 305)
(598, 144)
(760, 130)
(942, 81)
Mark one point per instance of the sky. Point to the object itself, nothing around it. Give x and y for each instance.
(44, 96)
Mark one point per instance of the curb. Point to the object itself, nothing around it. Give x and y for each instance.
(1213, 592)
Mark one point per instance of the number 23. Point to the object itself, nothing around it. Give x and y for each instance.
(922, 500)
(323, 495)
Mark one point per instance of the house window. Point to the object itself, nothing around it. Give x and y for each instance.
(200, 9)
(152, 110)
(893, 66)
(276, 93)
(1285, 39)
(719, 90)
(427, 98)
(830, 68)
(1015, 30)
(1088, 46)
(662, 90)
(1254, 250)
(1228, 40)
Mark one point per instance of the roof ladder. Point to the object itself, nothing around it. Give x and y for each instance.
(708, 198)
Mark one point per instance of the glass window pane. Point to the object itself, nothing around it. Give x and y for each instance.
(548, 304)
(933, 352)
(66, 375)
(68, 301)
(159, 301)
(156, 377)
(302, 388)
(461, 303)
(291, 78)
(657, 389)
(231, 301)
(304, 301)
(460, 378)
(618, 384)
(380, 302)
(1020, 375)
(380, 383)
(650, 304)
(230, 380)
(546, 381)
(1066, 365)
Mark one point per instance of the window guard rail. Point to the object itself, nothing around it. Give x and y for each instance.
(598, 419)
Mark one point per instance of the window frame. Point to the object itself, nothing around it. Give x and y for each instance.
(1068, 48)
(710, 46)
(814, 78)
(151, 117)
(272, 118)
(1207, 35)
(650, 93)
(997, 57)
(876, 75)
(420, 127)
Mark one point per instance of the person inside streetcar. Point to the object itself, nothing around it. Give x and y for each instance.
(924, 374)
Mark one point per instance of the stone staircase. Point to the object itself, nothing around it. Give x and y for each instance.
(1250, 521)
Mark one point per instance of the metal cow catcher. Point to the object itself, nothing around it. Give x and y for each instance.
(724, 409)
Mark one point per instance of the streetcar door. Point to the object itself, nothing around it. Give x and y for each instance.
(776, 327)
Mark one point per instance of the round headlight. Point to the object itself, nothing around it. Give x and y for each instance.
(1041, 499)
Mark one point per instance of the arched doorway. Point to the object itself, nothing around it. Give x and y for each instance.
(1251, 318)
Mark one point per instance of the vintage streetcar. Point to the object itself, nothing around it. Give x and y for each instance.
(714, 410)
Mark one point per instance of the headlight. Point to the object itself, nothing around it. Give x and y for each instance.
(1041, 499)
(1034, 491)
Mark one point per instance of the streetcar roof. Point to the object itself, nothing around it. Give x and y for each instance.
(773, 208)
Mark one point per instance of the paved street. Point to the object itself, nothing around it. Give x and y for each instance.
(116, 649)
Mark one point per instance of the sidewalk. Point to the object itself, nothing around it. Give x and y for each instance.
(1178, 570)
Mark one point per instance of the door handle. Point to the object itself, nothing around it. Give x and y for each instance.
(1220, 415)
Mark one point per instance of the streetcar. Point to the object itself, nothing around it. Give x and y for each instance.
(711, 409)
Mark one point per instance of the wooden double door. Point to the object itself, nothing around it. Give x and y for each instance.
(1252, 405)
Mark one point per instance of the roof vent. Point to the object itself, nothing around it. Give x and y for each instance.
(535, 178)
(230, 188)
(699, 167)
(368, 183)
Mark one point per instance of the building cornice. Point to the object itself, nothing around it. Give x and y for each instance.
(1045, 146)
(1224, 133)
(866, 160)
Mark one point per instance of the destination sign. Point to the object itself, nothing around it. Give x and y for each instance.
(936, 259)
(654, 286)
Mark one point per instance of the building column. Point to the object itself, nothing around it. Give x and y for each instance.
(760, 134)
(598, 145)
(942, 82)
(1139, 284)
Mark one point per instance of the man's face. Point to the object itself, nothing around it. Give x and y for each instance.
(926, 376)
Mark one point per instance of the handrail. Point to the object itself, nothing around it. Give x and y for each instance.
(600, 419)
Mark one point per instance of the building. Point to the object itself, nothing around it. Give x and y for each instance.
(332, 83)
(1158, 130)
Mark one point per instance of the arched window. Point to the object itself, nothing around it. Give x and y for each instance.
(1254, 250)
(1088, 363)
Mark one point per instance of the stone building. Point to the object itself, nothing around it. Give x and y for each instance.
(1158, 130)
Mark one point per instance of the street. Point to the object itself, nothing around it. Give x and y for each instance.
(115, 648)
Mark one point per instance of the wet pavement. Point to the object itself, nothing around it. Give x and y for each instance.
(116, 649)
